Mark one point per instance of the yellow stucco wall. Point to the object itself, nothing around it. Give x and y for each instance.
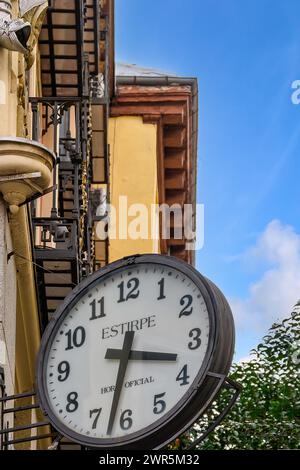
(8, 92)
(133, 173)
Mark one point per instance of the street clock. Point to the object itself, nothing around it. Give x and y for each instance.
(135, 354)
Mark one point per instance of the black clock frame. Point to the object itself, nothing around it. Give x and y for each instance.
(208, 382)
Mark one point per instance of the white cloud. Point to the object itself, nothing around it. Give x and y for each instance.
(246, 359)
(273, 296)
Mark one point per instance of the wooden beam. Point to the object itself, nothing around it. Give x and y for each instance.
(175, 180)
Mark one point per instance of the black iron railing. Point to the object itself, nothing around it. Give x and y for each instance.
(39, 429)
(62, 238)
(22, 407)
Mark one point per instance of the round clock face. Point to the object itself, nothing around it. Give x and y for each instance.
(125, 355)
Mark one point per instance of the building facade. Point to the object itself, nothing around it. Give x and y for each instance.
(76, 141)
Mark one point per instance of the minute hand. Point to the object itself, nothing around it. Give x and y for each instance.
(123, 357)
(141, 355)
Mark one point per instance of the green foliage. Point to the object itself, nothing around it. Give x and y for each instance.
(267, 414)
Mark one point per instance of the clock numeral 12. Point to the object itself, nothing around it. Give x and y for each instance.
(94, 315)
(132, 284)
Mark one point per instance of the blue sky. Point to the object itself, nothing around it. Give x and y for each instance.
(245, 54)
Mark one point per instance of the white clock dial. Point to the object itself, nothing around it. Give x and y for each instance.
(127, 352)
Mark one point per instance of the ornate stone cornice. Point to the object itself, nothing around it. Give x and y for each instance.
(25, 170)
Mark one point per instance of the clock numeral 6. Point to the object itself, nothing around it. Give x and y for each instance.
(159, 405)
(186, 301)
(97, 412)
(183, 376)
(195, 333)
(132, 284)
(126, 421)
(63, 369)
(72, 402)
(76, 339)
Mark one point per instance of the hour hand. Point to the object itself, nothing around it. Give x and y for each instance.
(142, 355)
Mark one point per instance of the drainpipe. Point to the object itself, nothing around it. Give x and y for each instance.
(14, 34)
(3, 255)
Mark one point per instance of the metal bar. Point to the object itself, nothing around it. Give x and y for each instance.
(52, 99)
(15, 397)
(35, 121)
(21, 176)
(96, 8)
(86, 77)
(60, 10)
(217, 376)
(44, 254)
(41, 294)
(55, 125)
(28, 439)
(64, 85)
(59, 271)
(59, 71)
(43, 220)
(59, 56)
(85, 136)
(59, 26)
(51, 57)
(20, 408)
(79, 38)
(55, 297)
(106, 65)
(75, 209)
(2, 389)
(78, 127)
(237, 388)
(58, 285)
(25, 427)
(58, 41)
